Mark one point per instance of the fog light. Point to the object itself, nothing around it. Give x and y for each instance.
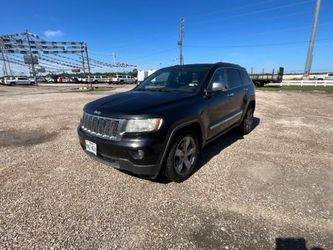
(137, 154)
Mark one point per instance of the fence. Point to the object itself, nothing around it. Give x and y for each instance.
(301, 83)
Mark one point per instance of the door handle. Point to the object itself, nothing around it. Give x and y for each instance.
(231, 94)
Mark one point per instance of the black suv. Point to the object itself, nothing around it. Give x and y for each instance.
(161, 125)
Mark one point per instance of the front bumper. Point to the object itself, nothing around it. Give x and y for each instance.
(123, 154)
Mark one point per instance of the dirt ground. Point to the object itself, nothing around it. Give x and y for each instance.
(271, 188)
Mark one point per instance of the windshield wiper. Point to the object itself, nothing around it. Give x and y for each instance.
(167, 90)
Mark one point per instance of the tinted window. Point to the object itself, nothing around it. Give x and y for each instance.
(175, 79)
(234, 78)
(245, 77)
(219, 76)
(159, 81)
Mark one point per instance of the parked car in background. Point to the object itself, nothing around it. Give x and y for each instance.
(50, 79)
(123, 79)
(82, 79)
(17, 80)
(328, 76)
(64, 80)
(162, 124)
(98, 79)
(41, 79)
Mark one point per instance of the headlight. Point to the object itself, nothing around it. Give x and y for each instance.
(147, 125)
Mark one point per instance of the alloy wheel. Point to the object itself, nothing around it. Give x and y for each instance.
(248, 120)
(185, 155)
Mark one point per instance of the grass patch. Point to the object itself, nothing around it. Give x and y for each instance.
(327, 89)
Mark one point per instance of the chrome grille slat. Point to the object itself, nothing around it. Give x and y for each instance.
(103, 127)
(106, 128)
(84, 120)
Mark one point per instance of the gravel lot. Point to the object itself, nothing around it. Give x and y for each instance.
(272, 187)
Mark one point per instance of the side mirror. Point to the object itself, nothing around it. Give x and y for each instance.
(219, 86)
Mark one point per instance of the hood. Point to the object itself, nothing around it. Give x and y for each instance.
(136, 103)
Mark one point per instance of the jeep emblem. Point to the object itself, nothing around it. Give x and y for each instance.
(97, 112)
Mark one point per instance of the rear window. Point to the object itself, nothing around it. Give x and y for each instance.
(330, 74)
(245, 77)
(234, 78)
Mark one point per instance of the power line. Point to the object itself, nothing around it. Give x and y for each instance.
(252, 12)
(254, 45)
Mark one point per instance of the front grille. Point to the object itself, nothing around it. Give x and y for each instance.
(103, 127)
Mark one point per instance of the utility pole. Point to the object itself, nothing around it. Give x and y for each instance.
(9, 68)
(4, 63)
(32, 58)
(309, 57)
(114, 58)
(88, 64)
(114, 61)
(83, 63)
(180, 42)
(3, 57)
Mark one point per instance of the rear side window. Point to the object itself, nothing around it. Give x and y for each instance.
(234, 78)
(245, 77)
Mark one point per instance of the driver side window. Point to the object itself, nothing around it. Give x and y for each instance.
(220, 76)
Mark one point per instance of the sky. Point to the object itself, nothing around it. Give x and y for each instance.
(258, 34)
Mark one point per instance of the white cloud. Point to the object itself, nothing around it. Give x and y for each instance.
(53, 33)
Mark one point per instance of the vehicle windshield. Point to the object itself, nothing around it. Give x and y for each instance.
(175, 79)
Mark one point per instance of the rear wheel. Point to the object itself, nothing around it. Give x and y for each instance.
(182, 157)
(248, 121)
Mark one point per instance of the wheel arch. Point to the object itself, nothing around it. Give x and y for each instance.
(194, 126)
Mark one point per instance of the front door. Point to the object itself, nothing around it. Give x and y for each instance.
(218, 105)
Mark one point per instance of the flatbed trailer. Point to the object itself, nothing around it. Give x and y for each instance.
(261, 80)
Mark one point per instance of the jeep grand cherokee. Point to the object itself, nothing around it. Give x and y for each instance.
(161, 125)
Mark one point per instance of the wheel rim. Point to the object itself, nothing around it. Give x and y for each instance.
(248, 121)
(185, 155)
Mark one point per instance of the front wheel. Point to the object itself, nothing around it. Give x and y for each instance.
(182, 157)
(248, 121)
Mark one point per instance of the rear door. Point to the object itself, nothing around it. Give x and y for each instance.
(236, 95)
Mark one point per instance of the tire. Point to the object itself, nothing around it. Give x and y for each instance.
(182, 157)
(247, 122)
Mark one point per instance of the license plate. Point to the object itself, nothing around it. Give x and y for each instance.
(91, 147)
